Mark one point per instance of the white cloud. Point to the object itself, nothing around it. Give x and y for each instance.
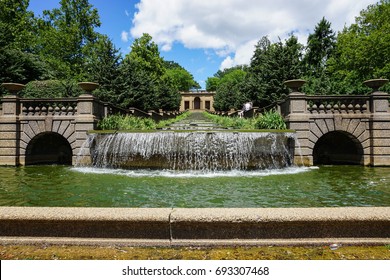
(228, 62)
(125, 36)
(231, 28)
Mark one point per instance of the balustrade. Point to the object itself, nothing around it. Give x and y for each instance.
(337, 104)
(47, 107)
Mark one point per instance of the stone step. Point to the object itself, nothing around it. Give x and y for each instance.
(195, 121)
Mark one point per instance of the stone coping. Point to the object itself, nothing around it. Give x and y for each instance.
(195, 226)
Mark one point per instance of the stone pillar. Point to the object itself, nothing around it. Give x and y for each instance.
(379, 124)
(10, 128)
(297, 119)
(85, 121)
(10, 131)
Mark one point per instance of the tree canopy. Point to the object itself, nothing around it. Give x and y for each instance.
(62, 47)
(331, 64)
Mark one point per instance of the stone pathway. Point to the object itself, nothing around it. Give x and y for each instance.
(195, 121)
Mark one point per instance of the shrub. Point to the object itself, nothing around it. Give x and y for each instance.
(270, 120)
(118, 122)
(51, 89)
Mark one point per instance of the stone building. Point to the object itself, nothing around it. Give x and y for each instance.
(197, 100)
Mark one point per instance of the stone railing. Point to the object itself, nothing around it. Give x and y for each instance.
(337, 104)
(47, 107)
(300, 103)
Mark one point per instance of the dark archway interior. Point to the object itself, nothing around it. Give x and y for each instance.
(337, 148)
(197, 103)
(49, 148)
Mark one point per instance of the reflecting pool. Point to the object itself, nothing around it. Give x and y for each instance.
(324, 186)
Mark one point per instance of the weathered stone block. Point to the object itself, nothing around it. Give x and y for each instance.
(366, 143)
(380, 126)
(315, 130)
(321, 124)
(9, 135)
(8, 127)
(381, 133)
(85, 126)
(381, 142)
(352, 126)
(28, 133)
(364, 137)
(35, 127)
(381, 160)
(8, 151)
(359, 130)
(69, 131)
(63, 127)
(330, 124)
(7, 143)
(380, 151)
(9, 160)
(56, 125)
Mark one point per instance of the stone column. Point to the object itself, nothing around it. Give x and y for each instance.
(297, 119)
(379, 124)
(10, 126)
(85, 121)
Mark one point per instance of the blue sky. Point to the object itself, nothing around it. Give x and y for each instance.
(206, 36)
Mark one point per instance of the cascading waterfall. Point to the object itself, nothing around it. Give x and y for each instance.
(211, 151)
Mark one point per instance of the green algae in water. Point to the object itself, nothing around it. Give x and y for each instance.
(327, 186)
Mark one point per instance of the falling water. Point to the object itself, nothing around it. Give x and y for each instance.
(211, 151)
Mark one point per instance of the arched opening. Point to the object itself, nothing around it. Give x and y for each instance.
(49, 148)
(197, 103)
(337, 147)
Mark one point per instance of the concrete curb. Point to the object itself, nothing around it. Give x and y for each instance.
(195, 226)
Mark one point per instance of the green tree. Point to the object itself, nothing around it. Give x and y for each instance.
(64, 36)
(181, 77)
(271, 65)
(137, 88)
(146, 54)
(362, 50)
(229, 92)
(320, 47)
(169, 96)
(102, 66)
(144, 81)
(17, 24)
(212, 83)
(18, 63)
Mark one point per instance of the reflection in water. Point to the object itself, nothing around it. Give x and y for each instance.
(326, 186)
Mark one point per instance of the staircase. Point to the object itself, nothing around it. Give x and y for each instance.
(195, 121)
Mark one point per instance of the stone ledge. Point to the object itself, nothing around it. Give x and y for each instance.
(195, 225)
(59, 241)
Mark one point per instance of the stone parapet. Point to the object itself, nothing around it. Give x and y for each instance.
(196, 226)
(365, 120)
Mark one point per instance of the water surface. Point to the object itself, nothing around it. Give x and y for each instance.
(326, 186)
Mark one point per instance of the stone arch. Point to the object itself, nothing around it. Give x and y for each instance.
(48, 148)
(338, 147)
(197, 103)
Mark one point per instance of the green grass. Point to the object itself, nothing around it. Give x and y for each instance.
(47, 252)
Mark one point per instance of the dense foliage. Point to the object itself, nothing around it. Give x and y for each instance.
(119, 122)
(53, 52)
(330, 63)
(268, 120)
